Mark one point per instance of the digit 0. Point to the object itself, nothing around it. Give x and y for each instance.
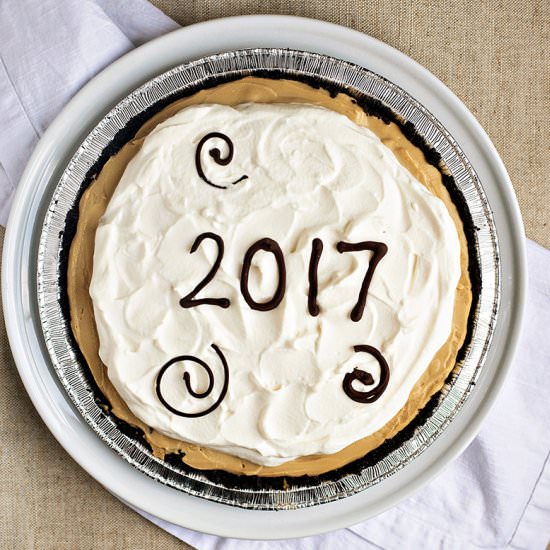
(268, 245)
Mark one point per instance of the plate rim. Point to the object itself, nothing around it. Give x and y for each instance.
(18, 221)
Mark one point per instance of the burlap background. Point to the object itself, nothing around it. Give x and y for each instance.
(494, 55)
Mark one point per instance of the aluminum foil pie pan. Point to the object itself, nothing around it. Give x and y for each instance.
(335, 75)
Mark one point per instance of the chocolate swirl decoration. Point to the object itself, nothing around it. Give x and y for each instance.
(187, 380)
(215, 153)
(366, 378)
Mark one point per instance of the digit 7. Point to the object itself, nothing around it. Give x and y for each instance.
(378, 252)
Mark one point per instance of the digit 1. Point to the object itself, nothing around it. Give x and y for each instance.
(316, 251)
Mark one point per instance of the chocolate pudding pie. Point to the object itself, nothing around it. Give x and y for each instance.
(269, 279)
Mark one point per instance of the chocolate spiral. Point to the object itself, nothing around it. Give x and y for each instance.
(215, 153)
(187, 380)
(366, 378)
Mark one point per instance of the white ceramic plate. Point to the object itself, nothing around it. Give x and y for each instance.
(58, 145)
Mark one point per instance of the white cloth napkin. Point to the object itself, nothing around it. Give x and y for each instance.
(497, 494)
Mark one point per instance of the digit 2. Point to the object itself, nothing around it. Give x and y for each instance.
(188, 300)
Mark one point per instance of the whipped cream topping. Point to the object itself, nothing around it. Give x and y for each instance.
(310, 174)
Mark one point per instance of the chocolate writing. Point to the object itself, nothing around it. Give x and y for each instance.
(379, 250)
(316, 251)
(188, 300)
(268, 245)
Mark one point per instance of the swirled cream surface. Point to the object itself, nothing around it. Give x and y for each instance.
(272, 380)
